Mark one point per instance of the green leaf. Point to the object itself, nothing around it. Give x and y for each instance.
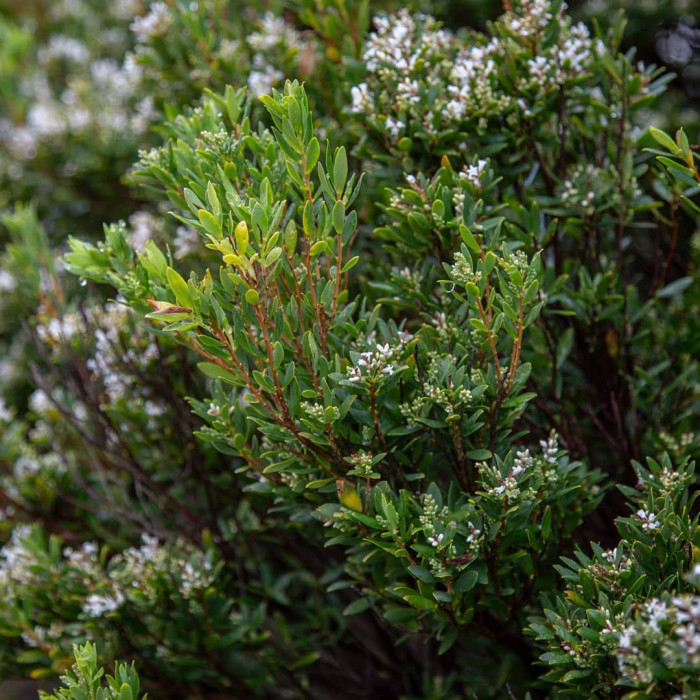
(272, 256)
(338, 216)
(313, 151)
(349, 264)
(216, 372)
(683, 143)
(179, 288)
(260, 218)
(675, 165)
(210, 223)
(448, 640)
(213, 200)
(125, 692)
(663, 139)
(340, 170)
(305, 660)
(193, 201)
(466, 581)
(318, 248)
(564, 346)
(277, 354)
(233, 103)
(357, 606)
(546, 524)
(468, 237)
(691, 204)
(479, 455)
(575, 675)
(421, 573)
(675, 288)
(421, 603)
(473, 291)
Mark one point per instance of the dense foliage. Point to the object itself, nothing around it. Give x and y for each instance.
(380, 379)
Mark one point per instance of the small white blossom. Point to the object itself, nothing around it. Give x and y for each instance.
(523, 461)
(263, 79)
(186, 241)
(394, 127)
(361, 99)
(436, 540)
(143, 227)
(98, 605)
(610, 555)
(550, 447)
(657, 612)
(5, 414)
(472, 173)
(625, 639)
(649, 520)
(155, 23)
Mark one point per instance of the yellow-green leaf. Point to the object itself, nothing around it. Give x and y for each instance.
(242, 238)
(179, 287)
(210, 223)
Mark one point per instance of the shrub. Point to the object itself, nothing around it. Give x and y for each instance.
(360, 400)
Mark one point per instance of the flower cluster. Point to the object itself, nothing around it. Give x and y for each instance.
(363, 463)
(107, 361)
(16, 560)
(473, 173)
(376, 362)
(273, 35)
(649, 521)
(668, 628)
(433, 520)
(438, 390)
(408, 58)
(155, 22)
(404, 57)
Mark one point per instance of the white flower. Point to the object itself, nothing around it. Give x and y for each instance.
(550, 448)
(649, 520)
(186, 241)
(656, 611)
(474, 532)
(63, 47)
(625, 640)
(523, 461)
(40, 402)
(273, 31)
(539, 69)
(472, 173)
(407, 92)
(610, 555)
(361, 99)
(354, 374)
(394, 127)
(375, 360)
(263, 79)
(155, 23)
(5, 413)
(97, 605)
(143, 227)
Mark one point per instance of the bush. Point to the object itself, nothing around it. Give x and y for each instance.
(367, 411)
